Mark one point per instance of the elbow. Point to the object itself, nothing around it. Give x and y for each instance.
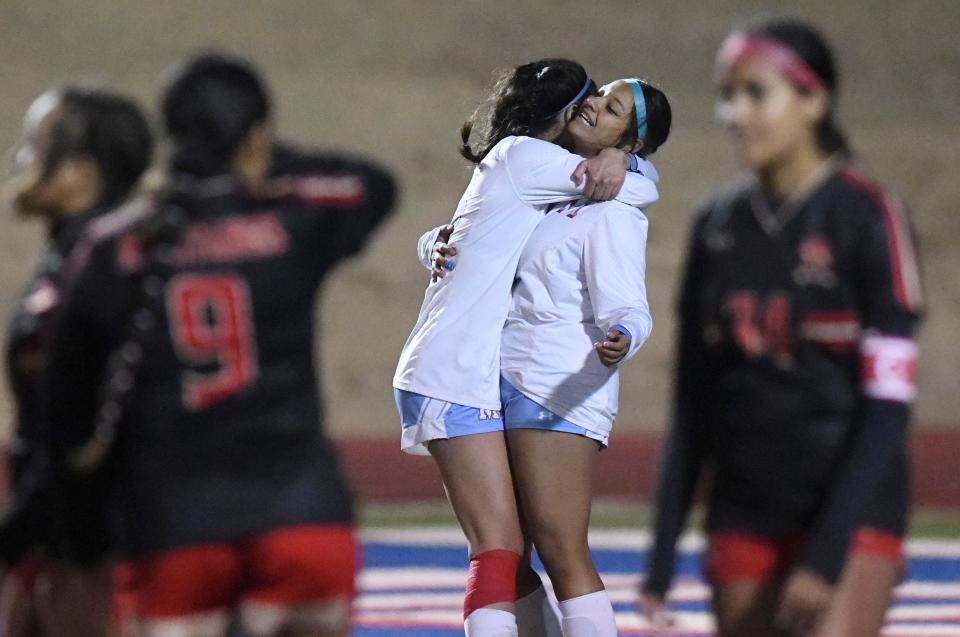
(654, 196)
(646, 328)
(643, 329)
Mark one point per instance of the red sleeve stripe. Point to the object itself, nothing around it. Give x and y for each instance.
(903, 263)
(102, 229)
(334, 191)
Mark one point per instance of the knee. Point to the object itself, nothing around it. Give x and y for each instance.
(744, 610)
(493, 533)
(558, 548)
(562, 554)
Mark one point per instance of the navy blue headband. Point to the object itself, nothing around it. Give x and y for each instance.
(577, 98)
(640, 104)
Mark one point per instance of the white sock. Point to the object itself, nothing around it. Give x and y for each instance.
(489, 622)
(537, 616)
(589, 615)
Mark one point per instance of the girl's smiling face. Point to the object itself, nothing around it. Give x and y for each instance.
(602, 119)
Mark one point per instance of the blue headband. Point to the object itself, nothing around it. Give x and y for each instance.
(640, 104)
(577, 98)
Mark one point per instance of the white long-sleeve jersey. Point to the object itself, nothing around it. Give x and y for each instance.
(580, 274)
(453, 352)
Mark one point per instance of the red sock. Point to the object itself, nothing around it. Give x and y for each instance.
(492, 579)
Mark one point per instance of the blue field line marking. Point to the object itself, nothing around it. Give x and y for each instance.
(933, 580)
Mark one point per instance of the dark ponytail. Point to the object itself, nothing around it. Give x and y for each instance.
(525, 101)
(210, 104)
(807, 43)
(831, 139)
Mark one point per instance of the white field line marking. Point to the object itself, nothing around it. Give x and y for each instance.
(928, 590)
(921, 630)
(945, 612)
(686, 622)
(416, 601)
(622, 587)
(612, 539)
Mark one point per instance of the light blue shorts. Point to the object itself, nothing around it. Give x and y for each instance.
(519, 412)
(425, 419)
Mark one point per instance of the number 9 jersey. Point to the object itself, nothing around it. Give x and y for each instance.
(222, 438)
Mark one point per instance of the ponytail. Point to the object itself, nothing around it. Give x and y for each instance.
(832, 139)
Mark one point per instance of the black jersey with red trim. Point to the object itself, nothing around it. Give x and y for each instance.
(795, 370)
(30, 327)
(222, 439)
(27, 355)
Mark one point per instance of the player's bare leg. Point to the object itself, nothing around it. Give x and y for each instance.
(527, 578)
(554, 478)
(322, 619)
(16, 607)
(746, 608)
(476, 475)
(77, 599)
(208, 624)
(537, 614)
(862, 597)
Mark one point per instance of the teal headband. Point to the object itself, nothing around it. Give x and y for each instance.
(640, 104)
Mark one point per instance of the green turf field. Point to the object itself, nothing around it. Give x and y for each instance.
(609, 514)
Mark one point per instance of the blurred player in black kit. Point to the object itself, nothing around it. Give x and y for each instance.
(83, 152)
(228, 503)
(796, 362)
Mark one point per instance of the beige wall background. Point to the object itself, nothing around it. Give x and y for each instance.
(395, 78)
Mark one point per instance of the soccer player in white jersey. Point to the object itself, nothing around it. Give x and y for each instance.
(447, 380)
(579, 310)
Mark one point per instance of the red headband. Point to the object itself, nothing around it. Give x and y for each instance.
(740, 46)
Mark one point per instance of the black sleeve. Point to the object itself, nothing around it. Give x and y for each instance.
(351, 196)
(890, 303)
(79, 347)
(683, 453)
(80, 342)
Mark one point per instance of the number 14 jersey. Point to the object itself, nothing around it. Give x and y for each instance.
(796, 369)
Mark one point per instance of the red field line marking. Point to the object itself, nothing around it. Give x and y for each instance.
(378, 469)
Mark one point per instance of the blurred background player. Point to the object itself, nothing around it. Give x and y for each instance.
(228, 501)
(447, 379)
(82, 153)
(795, 363)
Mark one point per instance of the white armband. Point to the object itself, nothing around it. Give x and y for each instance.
(889, 367)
